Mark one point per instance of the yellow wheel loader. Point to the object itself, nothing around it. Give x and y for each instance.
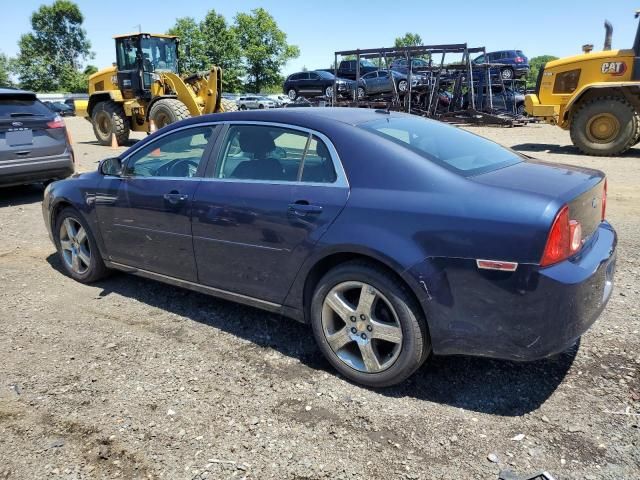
(596, 96)
(143, 85)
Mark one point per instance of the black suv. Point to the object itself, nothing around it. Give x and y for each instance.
(315, 84)
(516, 64)
(34, 144)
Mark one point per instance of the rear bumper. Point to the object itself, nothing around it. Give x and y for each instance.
(529, 314)
(39, 169)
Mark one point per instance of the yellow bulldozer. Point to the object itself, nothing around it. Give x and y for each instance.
(595, 95)
(144, 85)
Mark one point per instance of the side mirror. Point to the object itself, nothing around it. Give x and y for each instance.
(111, 166)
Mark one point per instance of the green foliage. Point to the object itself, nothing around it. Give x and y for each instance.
(264, 48)
(51, 54)
(408, 40)
(5, 71)
(209, 42)
(535, 65)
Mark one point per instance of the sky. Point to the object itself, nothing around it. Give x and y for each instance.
(537, 27)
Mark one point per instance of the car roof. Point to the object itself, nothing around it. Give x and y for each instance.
(14, 91)
(304, 117)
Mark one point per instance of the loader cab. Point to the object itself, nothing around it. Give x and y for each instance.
(141, 59)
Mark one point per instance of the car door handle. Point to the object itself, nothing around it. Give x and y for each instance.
(303, 209)
(175, 197)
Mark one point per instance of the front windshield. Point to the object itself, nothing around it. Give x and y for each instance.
(367, 63)
(159, 54)
(450, 147)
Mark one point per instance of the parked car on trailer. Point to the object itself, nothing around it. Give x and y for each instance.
(504, 99)
(382, 81)
(516, 63)
(249, 102)
(34, 144)
(390, 236)
(315, 84)
(402, 65)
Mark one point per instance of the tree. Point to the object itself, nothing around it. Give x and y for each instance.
(264, 48)
(207, 43)
(408, 40)
(5, 71)
(51, 55)
(535, 64)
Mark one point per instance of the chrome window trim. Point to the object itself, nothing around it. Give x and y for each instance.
(342, 180)
(170, 132)
(341, 177)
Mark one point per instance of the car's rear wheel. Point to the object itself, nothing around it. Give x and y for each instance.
(292, 94)
(243, 107)
(77, 247)
(507, 73)
(368, 325)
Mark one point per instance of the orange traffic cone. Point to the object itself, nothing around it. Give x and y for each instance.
(114, 142)
(152, 126)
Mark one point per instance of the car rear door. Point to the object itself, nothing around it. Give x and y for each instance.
(145, 214)
(266, 200)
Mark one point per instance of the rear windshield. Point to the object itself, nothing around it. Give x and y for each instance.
(453, 148)
(15, 106)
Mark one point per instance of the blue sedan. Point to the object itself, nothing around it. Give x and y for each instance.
(392, 236)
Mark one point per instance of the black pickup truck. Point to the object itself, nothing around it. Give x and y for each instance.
(347, 68)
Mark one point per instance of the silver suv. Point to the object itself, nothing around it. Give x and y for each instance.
(255, 101)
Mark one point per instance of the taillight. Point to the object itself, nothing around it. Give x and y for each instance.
(57, 122)
(519, 60)
(604, 199)
(565, 239)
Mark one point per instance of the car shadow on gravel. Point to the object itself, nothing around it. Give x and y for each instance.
(562, 149)
(488, 386)
(21, 195)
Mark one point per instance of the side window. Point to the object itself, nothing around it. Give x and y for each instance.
(314, 76)
(383, 74)
(255, 152)
(175, 155)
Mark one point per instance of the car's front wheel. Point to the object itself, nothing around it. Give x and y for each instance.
(77, 247)
(403, 86)
(368, 325)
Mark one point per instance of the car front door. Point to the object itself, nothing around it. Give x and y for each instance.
(270, 196)
(315, 83)
(370, 82)
(384, 82)
(145, 213)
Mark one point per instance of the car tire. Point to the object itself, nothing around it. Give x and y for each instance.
(612, 113)
(243, 107)
(261, 106)
(394, 313)
(108, 119)
(361, 93)
(520, 110)
(403, 86)
(292, 94)
(507, 73)
(328, 92)
(167, 111)
(77, 247)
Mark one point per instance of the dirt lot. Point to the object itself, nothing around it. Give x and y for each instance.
(130, 378)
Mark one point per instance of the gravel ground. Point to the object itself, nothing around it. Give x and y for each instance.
(129, 378)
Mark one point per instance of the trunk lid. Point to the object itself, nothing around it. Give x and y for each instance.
(24, 130)
(580, 188)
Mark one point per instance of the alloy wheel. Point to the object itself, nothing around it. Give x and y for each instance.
(292, 94)
(75, 247)
(361, 327)
(402, 85)
(329, 92)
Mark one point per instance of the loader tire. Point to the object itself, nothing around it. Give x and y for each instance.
(228, 105)
(605, 126)
(108, 118)
(168, 110)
